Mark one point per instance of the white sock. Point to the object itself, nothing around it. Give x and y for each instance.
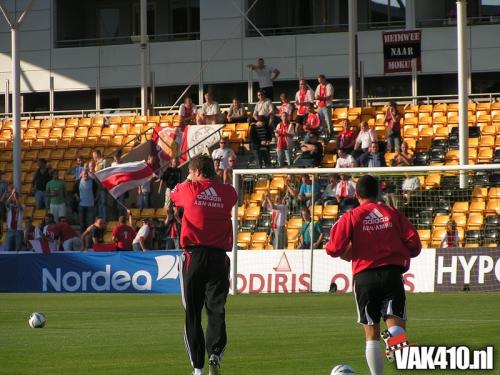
(198, 371)
(374, 357)
(396, 330)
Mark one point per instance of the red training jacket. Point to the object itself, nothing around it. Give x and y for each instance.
(207, 213)
(62, 230)
(380, 236)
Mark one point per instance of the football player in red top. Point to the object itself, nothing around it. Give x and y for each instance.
(380, 242)
(206, 235)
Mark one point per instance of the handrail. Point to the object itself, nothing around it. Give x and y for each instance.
(429, 99)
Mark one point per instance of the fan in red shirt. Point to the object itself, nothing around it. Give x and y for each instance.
(380, 242)
(65, 234)
(206, 235)
(123, 234)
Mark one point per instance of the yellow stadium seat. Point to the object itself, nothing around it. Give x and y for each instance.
(108, 131)
(72, 122)
(492, 207)
(316, 210)
(432, 180)
(460, 219)
(329, 160)
(440, 221)
(292, 234)
(489, 130)
(59, 123)
(294, 222)
(46, 124)
(56, 133)
(98, 121)
(95, 131)
(425, 236)
(243, 239)
(477, 207)
(252, 213)
(241, 212)
(148, 212)
(460, 207)
(487, 141)
(494, 193)
(259, 237)
(475, 221)
(85, 122)
(452, 155)
(277, 183)
(34, 124)
(82, 132)
(437, 235)
(485, 155)
(31, 155)
(479, 193)
(330, 211)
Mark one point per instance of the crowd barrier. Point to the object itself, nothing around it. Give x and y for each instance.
(267, 271)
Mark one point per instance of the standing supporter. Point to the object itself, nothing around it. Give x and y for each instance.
(260, 137)
(329, 194)
(279, 212)
(404, 157)
(410, 185)
(209, 112)
(264, 109)
(119, 202)
(303, 97)
(291, 193)
(324, 96)
(173, 228)
(40, 180)
(48, 220)
(284, 136)
(236, 112)
(374, 158)
(305, 232)
(346, 139)
(15, 218)
(102, 194)
(344, 160)
(346, 189)
(266, 76)
(223, 153)
(285, 107)
(123, 234)
(139, 243)
(187, 112)
(65, 235)
(144, 190)
(85, 192)
(76, 171)
(365, 138)
(450, 237)
(306, 190)
(30, 233)
(55, 191)
(312, 125)
(206, 235)
(94, 233)
(393, 127)
(227, 177)
(380, 242)
(171, 177)
(312, 152)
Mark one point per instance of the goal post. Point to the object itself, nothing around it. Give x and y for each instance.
(437, 194)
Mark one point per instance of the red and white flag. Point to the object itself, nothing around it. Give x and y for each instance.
(43, 246)
(124, 177)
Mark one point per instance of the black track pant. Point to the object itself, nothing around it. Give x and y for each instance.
(204, 281)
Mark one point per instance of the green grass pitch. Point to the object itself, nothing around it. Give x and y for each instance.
(303, 334)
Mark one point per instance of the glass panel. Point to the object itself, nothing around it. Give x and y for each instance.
(490, 8)
(109, 22)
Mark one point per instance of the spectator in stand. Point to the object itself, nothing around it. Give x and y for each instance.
(264, 109)
(312, 153)
(346, 139)
(85, 192)
(30, 233)
(144, 191)
(393, 127)
(236, 112)
(224, 152)
(404, 157)
(344, 160)
(209, 112)
(228, 172)
(260, 137)
(375, 159)
(305, 232)
(3, 198)
(324, 96)
(346, 189)
(91, 168)
(312, 124)
(303, 97)
(285, 107)
(329, 195)
(450, 237)
(48, 220)
(123, 234)
(219, 172)
(42, 176)
(266, 76)
(94, 233)
(173, 223)
(365, 138)
(284, 136)
(306, 190)
(15, 218)
(279, 212)
(171, 177)
(102, 194)
(56, 194)
(187, 112)
(65, 236)
(119, 203)
(76, 171)
(410, 185)
(291, 193)
(140, 241)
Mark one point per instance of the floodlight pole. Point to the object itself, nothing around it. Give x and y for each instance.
(353, 28)
(234, 265)
(144, 57)
(463, 90)
(7, 96)
(15, 25)
(410, 25)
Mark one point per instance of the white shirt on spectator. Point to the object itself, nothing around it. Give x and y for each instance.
(328, 92)
(280, 210)
(351, 188)
(365, 138)
(182, 109)
(210, 109)
(308, 97)
(223, 154)
(264, 76)
(410, 184)
(329, 191)
(346, 162)
(142, 232)
(263, 108)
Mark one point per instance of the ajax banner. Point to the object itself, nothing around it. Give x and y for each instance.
(126, 272)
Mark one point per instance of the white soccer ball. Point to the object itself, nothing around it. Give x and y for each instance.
(37, 320)
(342, 369)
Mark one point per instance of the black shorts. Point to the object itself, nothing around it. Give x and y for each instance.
(379, 292)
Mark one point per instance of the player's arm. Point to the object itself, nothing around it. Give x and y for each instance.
(114, 238)
(340, 236)
(177, 193)
(410, 236)
(276, 73)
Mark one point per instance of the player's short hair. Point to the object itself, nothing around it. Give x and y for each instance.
(204, 164)
(122, 220)
(367, 187)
